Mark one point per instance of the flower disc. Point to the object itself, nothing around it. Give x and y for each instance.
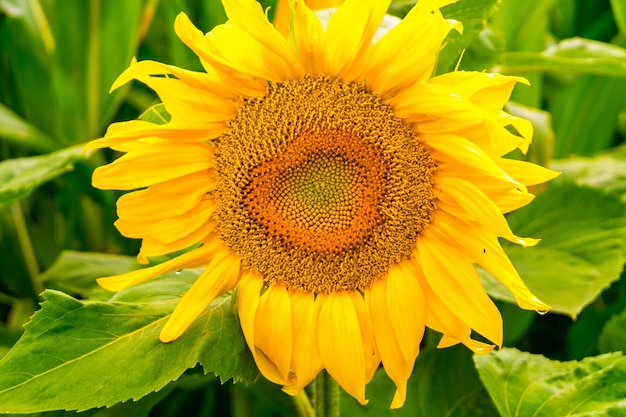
(322, 187)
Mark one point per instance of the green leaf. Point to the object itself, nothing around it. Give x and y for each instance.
(14, 128)
(141, 408)
(77, 355)
(473, 14)
(95, 43)
(523, 23)
(619, 12)
(613, 338)
(585, 114)
(156, 114)
(582, 251)
(526, 385)
(518, 62)
(20, 176)
(605, 171)
(76, 273)
(27, 47)
(570, 56)
(444, 383)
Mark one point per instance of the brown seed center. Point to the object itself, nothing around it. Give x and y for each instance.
(322, 187)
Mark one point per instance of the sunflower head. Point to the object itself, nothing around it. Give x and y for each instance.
(345, 191)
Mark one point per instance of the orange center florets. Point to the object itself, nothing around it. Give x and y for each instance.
(321, 193)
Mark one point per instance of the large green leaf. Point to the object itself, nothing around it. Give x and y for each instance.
(605, 171)
(582, 251)
(95, 42)
(77, 355)
(570, 56)
(524, 26)
(14, 128)
(141, 408)
(523, 23)
(526, 385)
(585, 114)
(20, 176)
(619, 12)
(444, 383)
(27, 48)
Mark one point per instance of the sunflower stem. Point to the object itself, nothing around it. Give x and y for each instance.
(326, 396)
(303, 405)
(26, 245)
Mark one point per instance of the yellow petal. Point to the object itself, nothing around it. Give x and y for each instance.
(191, 259)
(486, 90)
(340, 343)
(372, 358)
(232, 49)
(220, 275)
(249, 16)
(309, 35)
(441, 319)
(349, 34)
(487, 252)
(424, 102)
(526, 172)
(207, 81)
(387, 344)
(150, 247)
(184, 102)
(407, 309)
(305, 358)
(170, 229)
(437, 109)
(119, 134)
(470, 199)
(507, 196)
(468, 154)
(213, 61)
(187, 94)
(407, 53)
(273, 328)
(167, 199)
(455, 281)
(248, 299)
(398, 312)
(153, 164)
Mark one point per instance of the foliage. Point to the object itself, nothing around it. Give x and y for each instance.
(83, 350)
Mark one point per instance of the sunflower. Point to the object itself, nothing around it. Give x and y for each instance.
(344, 191)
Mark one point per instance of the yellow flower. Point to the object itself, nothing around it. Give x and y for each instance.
(340, 187)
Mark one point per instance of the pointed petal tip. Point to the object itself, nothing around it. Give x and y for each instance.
(112, 284)
(534, 303)
(398, 399)
(123, 78)
(527, 242)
